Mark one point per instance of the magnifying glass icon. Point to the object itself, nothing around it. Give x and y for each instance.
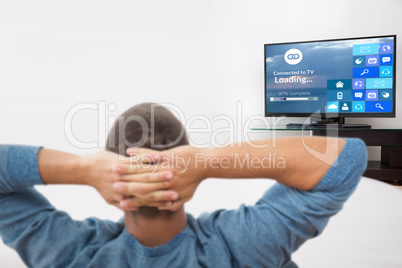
(377, 105)
(365, 71)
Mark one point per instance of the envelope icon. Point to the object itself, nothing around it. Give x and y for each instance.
(365, 49)
(379, 83)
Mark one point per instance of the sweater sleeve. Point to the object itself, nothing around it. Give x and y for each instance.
(266, 234)
(18, 168)
(42, 235)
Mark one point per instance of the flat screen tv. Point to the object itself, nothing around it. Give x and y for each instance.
(353, 77)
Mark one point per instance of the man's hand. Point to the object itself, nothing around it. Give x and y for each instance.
(145, 163)
(99, 171)
(104, 171)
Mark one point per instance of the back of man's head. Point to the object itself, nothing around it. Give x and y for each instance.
(147, 125)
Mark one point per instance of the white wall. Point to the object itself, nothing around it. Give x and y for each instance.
(203, 56)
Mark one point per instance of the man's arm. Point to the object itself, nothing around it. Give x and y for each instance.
(31, 225)
(291, 161)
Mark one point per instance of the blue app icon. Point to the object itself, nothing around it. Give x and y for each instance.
(386, 59)
(379, 83)
(364, 72)
(386, 71)
(359, 83)
(371, 95)
(379, 106)
(339, 84)
(366, 49)
(358, 95)
(358, 106)
(386, 48)
(385, 95)
(332, 106)
(372, 60)
(345, 106)
(339, 95)
(359, 61)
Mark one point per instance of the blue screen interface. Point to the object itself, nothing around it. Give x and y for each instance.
(335, 76)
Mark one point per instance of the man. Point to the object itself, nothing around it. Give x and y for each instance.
(309, 192)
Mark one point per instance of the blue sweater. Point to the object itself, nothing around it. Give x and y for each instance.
(263, 235)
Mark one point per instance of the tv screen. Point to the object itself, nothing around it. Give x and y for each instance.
(352, 77)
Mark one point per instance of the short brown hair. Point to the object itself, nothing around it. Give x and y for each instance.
(147, 125)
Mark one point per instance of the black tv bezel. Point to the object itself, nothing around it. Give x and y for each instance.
(333, 115)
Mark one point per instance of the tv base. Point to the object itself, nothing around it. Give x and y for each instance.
(336, 122)
(315, 126)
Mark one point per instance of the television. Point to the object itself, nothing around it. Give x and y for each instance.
(338, 78)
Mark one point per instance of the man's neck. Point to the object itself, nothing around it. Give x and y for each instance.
(153, 232)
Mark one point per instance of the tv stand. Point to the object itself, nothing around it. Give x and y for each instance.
(389, 168)
(324, 121)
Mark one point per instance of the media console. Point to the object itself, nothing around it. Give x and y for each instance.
(389, 168)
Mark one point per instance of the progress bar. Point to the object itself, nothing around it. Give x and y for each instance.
(293, 99)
